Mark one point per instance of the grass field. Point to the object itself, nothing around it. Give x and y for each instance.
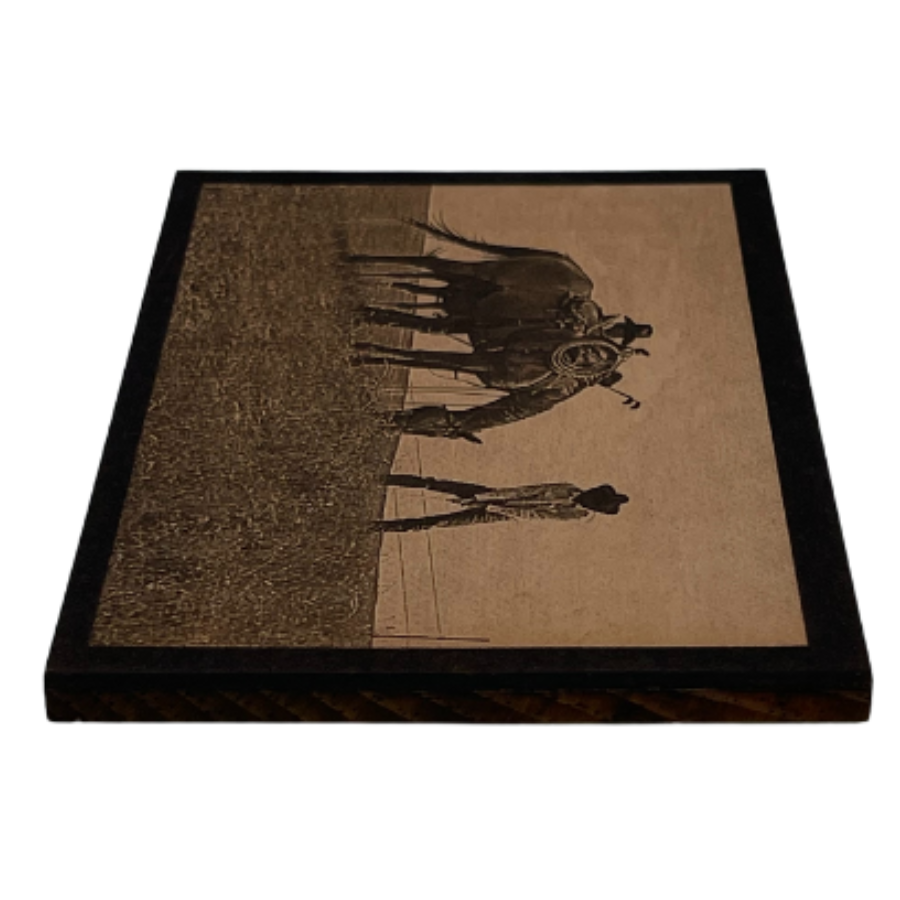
(264, 452)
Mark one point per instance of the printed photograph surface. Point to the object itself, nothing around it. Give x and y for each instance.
(456, 416)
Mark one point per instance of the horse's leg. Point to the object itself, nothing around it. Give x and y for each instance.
(377, 315)
(398, 316)
(429, 290)
(437, 265)
(416, 262)
(401, 304)
(389, 275)
(404, 356)
(473, 363)
(454, 362)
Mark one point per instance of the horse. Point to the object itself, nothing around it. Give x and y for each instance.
(549, 277)
(534, 329)
(499, 313)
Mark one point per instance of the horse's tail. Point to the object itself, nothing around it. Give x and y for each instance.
(443, 232)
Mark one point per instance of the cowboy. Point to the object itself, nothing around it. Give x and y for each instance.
(479, 504)
(626, 332)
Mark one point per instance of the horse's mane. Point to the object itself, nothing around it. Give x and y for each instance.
(440, 230)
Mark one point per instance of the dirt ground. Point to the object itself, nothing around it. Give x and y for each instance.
(264, 452)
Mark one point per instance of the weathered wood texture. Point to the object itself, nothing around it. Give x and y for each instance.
(542, 707)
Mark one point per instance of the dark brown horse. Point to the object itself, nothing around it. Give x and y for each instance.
(501, 282)
(497, 315)
(528, 314)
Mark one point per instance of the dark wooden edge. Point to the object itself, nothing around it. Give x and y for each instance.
(559, 706)
(465, 178)
(834, 660)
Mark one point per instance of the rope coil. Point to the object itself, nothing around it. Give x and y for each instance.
(585, 358)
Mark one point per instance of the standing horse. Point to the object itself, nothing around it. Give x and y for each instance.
(550, 277)
(534, 329)
(519, 287)
(501, 313)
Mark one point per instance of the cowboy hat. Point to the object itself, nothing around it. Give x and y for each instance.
(603, 499)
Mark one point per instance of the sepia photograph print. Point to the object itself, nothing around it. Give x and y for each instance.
(454, 416)
(350, 370)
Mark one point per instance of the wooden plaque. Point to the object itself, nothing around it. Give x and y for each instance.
(481, 447)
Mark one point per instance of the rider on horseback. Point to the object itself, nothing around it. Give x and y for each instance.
(583, 316)
(534, 330)
(627, 332)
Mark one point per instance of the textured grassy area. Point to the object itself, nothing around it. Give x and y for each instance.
(264, 452)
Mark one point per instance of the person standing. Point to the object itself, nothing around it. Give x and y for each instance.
(481, 504)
